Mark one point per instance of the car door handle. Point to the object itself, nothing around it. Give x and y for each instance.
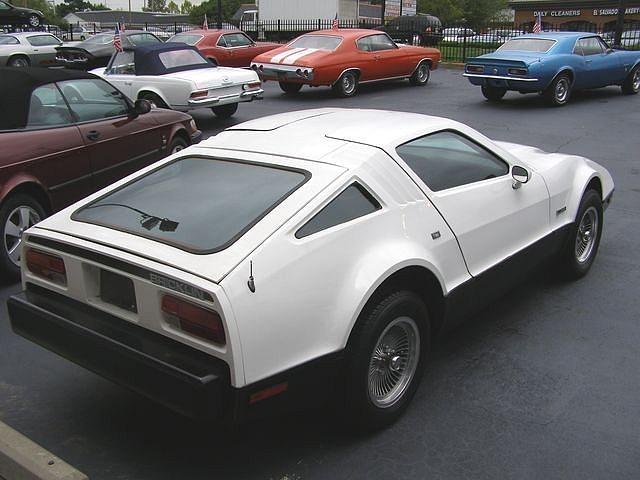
(93, 135)
(588, 61)
(128, 84)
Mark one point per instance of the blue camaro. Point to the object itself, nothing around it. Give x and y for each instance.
(554, 64)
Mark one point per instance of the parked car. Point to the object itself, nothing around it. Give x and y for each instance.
(37, 49)
(64, 134)
(555, 64)
(96, 51)
(630, 39)
(344, 58)
(457, 34)
(229, 48)
(299, 257)
(77, 33)
(11, 15)
(177, 76)
(418, 29)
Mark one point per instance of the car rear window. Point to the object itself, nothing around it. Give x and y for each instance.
(321, 42)
(201, 205)
(527, 45)
(181, 58)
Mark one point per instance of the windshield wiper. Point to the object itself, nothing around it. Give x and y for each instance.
(147, 220)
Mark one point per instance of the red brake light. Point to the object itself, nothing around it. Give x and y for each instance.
(47, 266)
(199, 321)
(200, 94)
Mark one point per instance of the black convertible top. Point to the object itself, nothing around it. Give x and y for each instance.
(16, 85)
(147, 58)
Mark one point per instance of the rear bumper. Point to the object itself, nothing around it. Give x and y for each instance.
(175, 375)
(510, 83)
(242, 96)
(293, 73)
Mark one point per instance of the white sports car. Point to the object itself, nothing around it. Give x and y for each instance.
(301, 253)
(177, 76)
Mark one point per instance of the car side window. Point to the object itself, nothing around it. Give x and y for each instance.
(93, 99)
(8, 40)
(382, 42)
(447, 159)
(354, 202)
(4, 6)
(123, 63)
(364, 44)
(590, 46)
(47, 108)
(43, 40)
(236, 40)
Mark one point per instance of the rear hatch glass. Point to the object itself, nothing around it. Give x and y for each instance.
(201, 205)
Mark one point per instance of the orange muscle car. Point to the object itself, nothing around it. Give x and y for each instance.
(344, 58)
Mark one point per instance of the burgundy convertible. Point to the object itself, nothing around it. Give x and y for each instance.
(65, 134)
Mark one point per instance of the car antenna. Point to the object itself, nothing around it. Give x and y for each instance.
(251, 283)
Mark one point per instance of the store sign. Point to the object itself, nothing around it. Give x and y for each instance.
(614, 11)
(392, 8)
(557, 13)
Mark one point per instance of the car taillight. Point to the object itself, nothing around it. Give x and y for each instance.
(47, 266)
(200, 94)
(475, 69)
(251, 86)
(196, 320)
(517, 71)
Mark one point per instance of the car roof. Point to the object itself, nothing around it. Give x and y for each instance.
(315, 134)
(346, 33)
(26, 34)
(210, 32)
(558, 35)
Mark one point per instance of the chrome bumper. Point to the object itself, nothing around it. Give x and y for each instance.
(499, 77)
(246, 96)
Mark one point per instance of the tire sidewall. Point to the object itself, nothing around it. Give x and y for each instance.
(225, 111)
(17, 58)
(340, 84)
(493, 94)
(577, 269)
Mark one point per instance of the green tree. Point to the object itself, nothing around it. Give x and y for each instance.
(186, 7)
(446, 10)
(479, 13)
(156, 6)
(172, 7)
(210, 7)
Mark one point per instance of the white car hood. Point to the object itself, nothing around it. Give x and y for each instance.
(215, 77)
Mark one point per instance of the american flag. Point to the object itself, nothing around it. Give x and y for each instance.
(117, 41)
(336, 24)
(537, 27)
(205, 24)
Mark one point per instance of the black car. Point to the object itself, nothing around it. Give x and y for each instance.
(10, 15)
(95, 51)
(418, 29)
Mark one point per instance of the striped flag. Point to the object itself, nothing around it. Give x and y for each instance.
(537, 27)
(117, 41)
(205, 24)
(336, 24)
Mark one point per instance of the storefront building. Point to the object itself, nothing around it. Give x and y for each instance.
(584, 15)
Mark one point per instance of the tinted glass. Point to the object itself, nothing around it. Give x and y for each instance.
(197, 204)
(4, 6)
(185, 38)
(527, 45)
(47, 108)
(445, 160)
(43, 40)
(93, 99)
(321, 42)
(123, 63)
(141, 38)
(352, 203)
(181, 58)
(236, 40)
(8, 40)
(590, 46)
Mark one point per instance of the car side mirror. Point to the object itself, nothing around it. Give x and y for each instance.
(520, 176)
(141, 106)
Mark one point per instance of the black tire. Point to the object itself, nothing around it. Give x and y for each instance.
(289, 87)
(421, 76)
(578, 255)
(225, 111)
(631, 84)
(177, 144)
(19, 61)
(11, 242)
(347, 84)
(493, 94)
(34, 20)
(363, 408)
(155, 100)
(559, 91)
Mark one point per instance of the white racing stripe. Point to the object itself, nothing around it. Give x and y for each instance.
(291, 59)
(281, 56)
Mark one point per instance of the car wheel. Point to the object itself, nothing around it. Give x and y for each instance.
(385, 359)
(584, 236)
(631, 85)
(493, 94)
(154, 99)
(18, 62)
(288, 87)
(422, 74)
(559, 92)
(347, 84)
(18, 213)
(177, 144)
(225, 111)
(34, 20)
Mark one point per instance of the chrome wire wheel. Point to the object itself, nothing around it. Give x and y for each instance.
(562, 90)
(34, 21)
(586, 235)
(393, 362)
(348, 83)
(423, 73)
(20, 219)
(635, 83)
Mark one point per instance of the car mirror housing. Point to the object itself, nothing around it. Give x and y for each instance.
(520, 176)
(141, 107)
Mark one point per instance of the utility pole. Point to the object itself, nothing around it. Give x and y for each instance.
(219, 13)
(383, 6)
(620, 22)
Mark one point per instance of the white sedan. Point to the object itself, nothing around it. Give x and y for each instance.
(177, 76)
(300, 255)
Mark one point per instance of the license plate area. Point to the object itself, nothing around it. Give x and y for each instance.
(118, 290)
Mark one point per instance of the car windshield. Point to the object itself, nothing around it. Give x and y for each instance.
(100, 39)
(8, 40)
(201, 205)
(321, 42)
(181, 58)
(539, 45)
(189, 39)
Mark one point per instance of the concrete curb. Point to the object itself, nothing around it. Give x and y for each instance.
(22, 459)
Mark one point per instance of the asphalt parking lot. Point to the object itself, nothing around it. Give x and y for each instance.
(544, 384)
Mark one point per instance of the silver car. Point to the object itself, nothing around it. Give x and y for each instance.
(36, 49)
